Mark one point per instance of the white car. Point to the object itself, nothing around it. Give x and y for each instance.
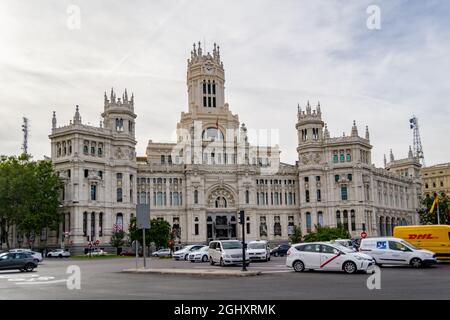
(200, 255)
(37, 256)
(183, 254)
(97, 252)
(226, 252)
(258, 250)
(327, 256)
(58, 253)
(161, 253)
(390, 250)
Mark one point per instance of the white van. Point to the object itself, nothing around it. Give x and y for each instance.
(258, 250)
(226, 252)
(390, 250)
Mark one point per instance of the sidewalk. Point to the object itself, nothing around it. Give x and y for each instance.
(198, 272)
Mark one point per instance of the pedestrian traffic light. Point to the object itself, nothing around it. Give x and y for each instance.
(241, 217)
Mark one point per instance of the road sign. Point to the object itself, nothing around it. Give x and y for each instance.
(363, 234)
(143, 216)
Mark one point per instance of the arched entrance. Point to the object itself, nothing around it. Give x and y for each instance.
(221, 215)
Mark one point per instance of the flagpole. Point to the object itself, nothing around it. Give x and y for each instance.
(437, 204)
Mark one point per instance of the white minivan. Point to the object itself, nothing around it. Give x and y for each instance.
(258, 250)
(226, 252)
(390, 250)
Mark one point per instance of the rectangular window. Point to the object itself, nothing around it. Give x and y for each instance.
(319, 195)
(336, 178)
(350, 177)
(100, 174)
(344, 195)
(163, 159)
(335, 158)
(352, 220)
(209, 101)
(307, 195)
(196, 229)
(342, 157)
(86, 173)
(93, 192)
(204, 101)
(119, 195)
(214, 102)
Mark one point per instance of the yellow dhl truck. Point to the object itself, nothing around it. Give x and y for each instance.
(435, 238)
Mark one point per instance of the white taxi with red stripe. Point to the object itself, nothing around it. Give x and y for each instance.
(327, 256)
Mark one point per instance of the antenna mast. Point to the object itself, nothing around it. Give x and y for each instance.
(417, 144)
(25, 135)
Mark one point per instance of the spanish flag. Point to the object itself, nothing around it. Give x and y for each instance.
(434, 205)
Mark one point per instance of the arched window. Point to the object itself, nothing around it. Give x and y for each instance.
(320, 218)
(353, 219)
(85, 224)
(345, 219)
(119, 221)
(176, 199)
(221, 202)
(308, 222)
(213, 134)
(338, 219)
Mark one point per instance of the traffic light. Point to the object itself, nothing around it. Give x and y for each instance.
(241, 217)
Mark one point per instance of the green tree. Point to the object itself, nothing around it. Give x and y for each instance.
(117, 239)
(327, 234)
(159, 233)
(431, 218)
(296, 236)
(29, 192)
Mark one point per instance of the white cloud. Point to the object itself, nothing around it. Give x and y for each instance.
(275, 54)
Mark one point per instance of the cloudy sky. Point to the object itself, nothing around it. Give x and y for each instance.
(276, 54)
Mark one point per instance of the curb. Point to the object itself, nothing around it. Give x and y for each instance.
(232, 273)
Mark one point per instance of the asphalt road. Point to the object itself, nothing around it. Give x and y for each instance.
(102, 279)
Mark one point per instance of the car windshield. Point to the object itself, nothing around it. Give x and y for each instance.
(343, 248)
(232, 245)
(406, 243)
(256, 246)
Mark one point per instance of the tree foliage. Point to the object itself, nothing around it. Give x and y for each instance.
(431, 218)
(29, 196)
(327, 234)
(159, 233)
(296, 236)
(118, 239)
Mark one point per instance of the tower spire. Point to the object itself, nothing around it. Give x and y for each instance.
(367, 133)
(54, 120)
(77, 117)
(354, 129)
(391, 156)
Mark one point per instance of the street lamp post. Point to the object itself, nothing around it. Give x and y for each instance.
(242, 222)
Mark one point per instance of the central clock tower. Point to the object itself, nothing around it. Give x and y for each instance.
(205, 80)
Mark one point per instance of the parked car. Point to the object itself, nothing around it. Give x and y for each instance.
(390, 250)
(97, 252)
(58, 253)
(22, 261)
(226, 252)
(200, 255)
(280, 250)
(258, 250)
(327, 256)
(130, 252)
(183, 254)
(37, 256)
(161, 253)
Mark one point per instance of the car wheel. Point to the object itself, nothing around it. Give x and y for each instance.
(36, 260)
(416, 263)
(298, 266)
(211, 261)
(204, 258)
(221, 263)
(29, 267)
(349, 267)
(60, 256)
(192, 261)
(276, 254)
(268, 258)
(186, 257)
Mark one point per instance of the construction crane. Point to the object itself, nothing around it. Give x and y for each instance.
(25, 135)
(417, 144)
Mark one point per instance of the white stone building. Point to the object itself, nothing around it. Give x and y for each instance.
(199, 183)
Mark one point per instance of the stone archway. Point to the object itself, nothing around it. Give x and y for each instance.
(221, 213)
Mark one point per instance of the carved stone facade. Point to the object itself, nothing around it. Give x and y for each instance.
(199, 183)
